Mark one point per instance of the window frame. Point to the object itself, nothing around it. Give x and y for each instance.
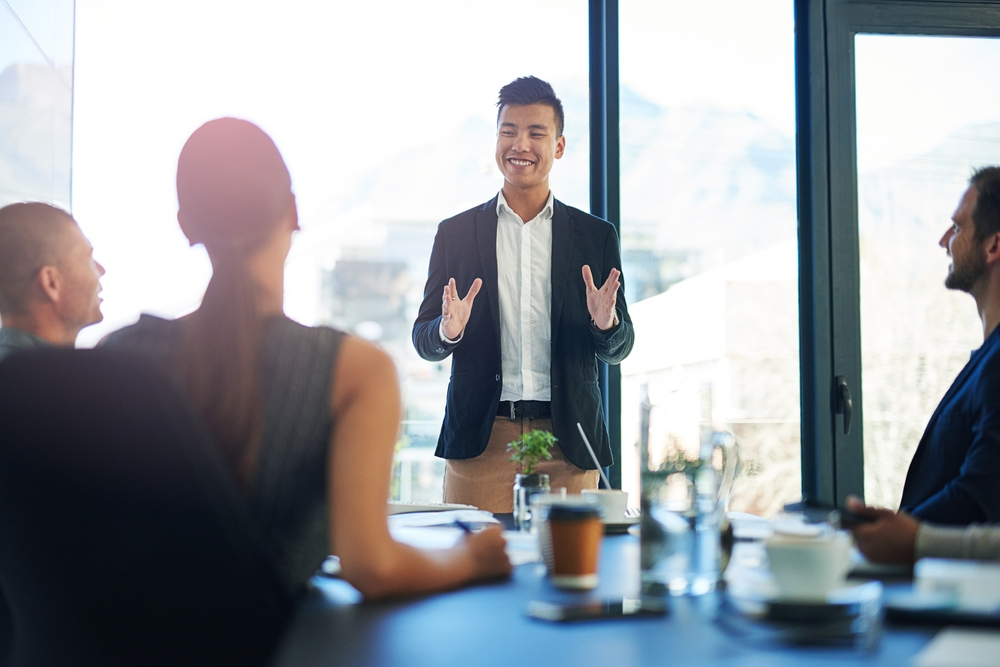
(605, 183)
(829, 268)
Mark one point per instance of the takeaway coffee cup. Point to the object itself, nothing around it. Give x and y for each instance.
(574, 547)
(540, 506)
(612, 501)
(807, 567)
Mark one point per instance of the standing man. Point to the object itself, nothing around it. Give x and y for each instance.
(49, 280)
(954, 477)
(523, 316)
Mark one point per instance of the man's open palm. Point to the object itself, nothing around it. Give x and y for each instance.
(455, 311)
(601, 302)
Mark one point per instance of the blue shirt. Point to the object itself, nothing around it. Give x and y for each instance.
(954, 477)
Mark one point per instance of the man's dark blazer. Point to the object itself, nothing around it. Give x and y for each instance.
(954, 477)
(465, 248)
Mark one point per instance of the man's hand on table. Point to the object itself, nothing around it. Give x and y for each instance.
(890, 538)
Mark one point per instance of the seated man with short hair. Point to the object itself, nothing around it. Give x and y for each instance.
(49, 280)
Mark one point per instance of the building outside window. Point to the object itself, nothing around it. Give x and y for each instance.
(708, 218)
(385, 113)
(36, 101)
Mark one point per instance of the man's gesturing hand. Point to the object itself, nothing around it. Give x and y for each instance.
(601, 302)
(455, 311)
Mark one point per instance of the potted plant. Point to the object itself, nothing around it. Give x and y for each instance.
(527, 451)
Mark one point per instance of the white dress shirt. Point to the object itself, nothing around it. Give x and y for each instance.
(524, 270)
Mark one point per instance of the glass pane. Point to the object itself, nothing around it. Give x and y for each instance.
(925, 121)
(384, 111)
(709, 231)
(36, 101)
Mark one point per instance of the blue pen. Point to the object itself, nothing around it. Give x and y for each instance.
(463, 525)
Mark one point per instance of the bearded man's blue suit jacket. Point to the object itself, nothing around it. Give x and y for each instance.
(954, 477)
(465, 248)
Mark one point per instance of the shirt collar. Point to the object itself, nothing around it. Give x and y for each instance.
(544, 214)
(19, 338)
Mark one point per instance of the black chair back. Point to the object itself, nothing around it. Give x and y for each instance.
(124, 538)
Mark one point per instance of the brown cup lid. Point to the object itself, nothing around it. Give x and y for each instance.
(559, 512)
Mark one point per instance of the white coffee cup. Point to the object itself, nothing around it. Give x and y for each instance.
(807, 567)
(613, 503)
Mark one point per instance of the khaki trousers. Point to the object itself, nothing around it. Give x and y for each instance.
(487, 481)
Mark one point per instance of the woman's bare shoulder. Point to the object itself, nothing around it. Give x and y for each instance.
(361, 366)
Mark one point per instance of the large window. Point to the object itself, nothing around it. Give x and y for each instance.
(384, 111)
(36, 100)
(894, 115)
(708, 229)
(924, 122)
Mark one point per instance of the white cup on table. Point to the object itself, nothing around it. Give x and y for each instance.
(808, 566)
(612, 502)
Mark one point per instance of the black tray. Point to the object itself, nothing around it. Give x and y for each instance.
(851, 618)
(906, 606)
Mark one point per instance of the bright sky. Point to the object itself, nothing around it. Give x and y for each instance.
(733, 54)
(914, 91)
(50, 25)
(339, 86)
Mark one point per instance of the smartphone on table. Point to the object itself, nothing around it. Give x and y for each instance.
(559, 612)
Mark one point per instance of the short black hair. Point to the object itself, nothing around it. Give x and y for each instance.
(986, 214)
(531, 90)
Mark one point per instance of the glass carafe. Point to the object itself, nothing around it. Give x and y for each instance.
(685, 493)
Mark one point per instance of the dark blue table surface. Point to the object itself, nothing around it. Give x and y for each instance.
(486, 625)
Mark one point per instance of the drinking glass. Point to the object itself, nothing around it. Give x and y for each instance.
(527, 487)
(685, 490)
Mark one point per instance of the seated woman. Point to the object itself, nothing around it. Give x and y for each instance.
(307, 417)
(896, 537)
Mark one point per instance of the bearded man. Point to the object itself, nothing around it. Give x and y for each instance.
(954, 477)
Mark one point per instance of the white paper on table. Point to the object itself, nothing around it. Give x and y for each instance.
(447, 518)
(953, 647)
(521, 547)
(427, 537)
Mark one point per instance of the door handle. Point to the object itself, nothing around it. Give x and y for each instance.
(844, 404)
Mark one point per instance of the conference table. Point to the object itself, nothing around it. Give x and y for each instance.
(487, 625)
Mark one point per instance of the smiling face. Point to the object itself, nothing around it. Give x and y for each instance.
(527, 144)
(968, 261)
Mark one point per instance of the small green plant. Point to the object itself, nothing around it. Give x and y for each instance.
(530, 448)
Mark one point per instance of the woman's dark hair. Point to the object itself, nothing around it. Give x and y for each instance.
(233, 190)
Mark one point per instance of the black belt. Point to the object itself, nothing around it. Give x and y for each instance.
(524, 409)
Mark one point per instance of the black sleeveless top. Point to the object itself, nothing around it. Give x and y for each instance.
(288, 494)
